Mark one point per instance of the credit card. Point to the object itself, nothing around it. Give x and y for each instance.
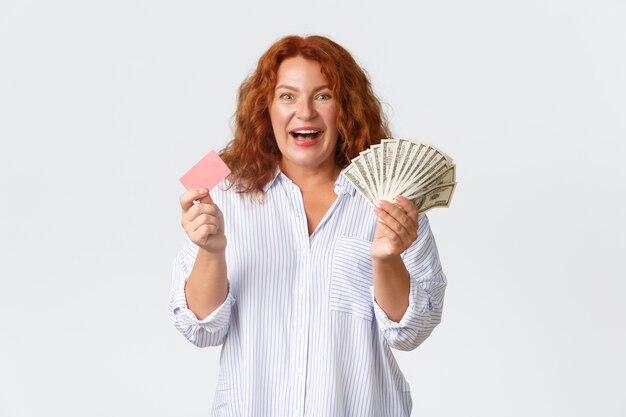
(207, 173)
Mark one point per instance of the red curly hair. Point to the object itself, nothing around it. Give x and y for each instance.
(253, 153)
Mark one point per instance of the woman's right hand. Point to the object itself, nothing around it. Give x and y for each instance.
(202, 220)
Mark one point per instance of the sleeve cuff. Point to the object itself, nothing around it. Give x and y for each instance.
(218, 319)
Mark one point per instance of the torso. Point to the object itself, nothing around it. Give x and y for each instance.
(303, 300)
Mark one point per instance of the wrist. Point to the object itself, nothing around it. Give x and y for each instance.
(385, 259)
(211, 255)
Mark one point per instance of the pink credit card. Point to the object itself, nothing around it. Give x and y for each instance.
(207, 173)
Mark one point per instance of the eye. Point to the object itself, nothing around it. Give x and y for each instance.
(286, 96)
(324, 96)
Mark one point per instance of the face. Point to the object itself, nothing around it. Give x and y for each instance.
(304, 116)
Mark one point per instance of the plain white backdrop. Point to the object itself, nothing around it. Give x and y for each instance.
(104, 104)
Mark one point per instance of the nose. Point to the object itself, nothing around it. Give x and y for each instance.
(305, 110)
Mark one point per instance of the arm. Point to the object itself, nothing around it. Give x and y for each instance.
(408, 281)
(395, 232)
(207, 286)
(200, 302)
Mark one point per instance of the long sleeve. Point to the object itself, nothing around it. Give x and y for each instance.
(427, 289)
(213, 329)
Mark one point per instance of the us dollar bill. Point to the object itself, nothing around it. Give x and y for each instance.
(439, 196)
(353, 175)
(417, 170)
(390, 151)
(372, 171)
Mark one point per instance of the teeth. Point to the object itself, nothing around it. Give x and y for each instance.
(305, 132)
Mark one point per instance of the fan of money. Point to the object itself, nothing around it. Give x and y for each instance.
(416, 170)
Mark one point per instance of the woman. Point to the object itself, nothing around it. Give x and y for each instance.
(313, 287)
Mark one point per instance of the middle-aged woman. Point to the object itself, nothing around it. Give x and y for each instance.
(314, 286)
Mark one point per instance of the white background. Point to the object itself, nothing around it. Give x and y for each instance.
(104, 104)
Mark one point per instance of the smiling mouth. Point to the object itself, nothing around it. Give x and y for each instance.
(305, 134)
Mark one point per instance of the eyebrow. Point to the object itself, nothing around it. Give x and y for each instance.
(288, 87)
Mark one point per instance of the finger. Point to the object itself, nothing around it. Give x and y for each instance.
(203, 219)
(382, 230)
(393, 244)
(188, 197)
(207, 199)
(201, 208)
(201, 235)
(199, 213)
(399, 215)
(407, 233)
(409, 208)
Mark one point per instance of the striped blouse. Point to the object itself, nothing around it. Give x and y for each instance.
(301, 332)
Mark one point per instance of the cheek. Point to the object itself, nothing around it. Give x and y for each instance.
(331, 124)
(277, 117)
(331, 116)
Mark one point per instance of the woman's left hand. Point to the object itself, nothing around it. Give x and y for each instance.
(396, 229)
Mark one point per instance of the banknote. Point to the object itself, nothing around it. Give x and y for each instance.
(417, 170)
(439, 196)
(356, 179)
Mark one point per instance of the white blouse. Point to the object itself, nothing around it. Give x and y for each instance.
(302, 334)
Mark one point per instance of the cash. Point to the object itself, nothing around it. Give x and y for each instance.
(416, 170)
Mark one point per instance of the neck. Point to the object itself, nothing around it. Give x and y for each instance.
(311, 178)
